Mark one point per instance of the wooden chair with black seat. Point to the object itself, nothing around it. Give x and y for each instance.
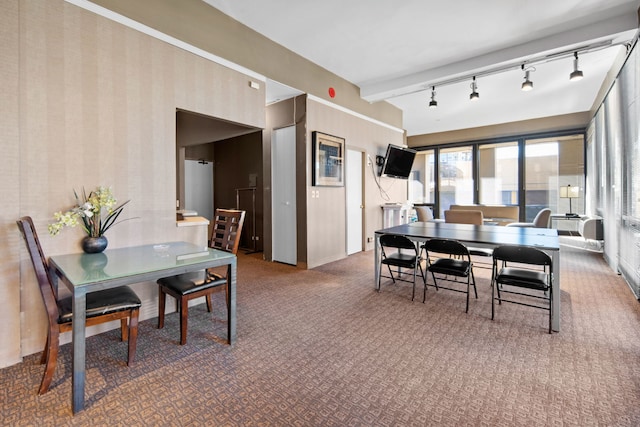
(102, 306)
(449, 258)
(400, 252)
(513, 279)
(227, 228)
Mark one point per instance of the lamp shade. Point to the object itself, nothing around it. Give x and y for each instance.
(569, 192)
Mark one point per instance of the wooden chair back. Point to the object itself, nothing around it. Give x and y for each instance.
(58, 317)
(464, 217)
(47, 290)
(227, 228)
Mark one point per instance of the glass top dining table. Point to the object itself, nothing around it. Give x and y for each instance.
(84, 273)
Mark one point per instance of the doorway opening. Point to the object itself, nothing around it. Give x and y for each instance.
(233, 152)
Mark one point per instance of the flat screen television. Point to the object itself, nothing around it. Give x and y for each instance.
(398, 162)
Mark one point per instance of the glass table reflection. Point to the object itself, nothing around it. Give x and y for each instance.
(84, 273)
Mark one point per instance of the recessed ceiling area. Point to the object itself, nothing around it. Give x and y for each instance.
(196, 129)
(396, 52)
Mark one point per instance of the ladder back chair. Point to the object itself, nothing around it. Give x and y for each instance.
(102, 306)
(225, 236)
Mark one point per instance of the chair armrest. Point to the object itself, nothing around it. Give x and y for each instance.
(591, 228)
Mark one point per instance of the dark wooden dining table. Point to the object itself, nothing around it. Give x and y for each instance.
(489, 236)
(85, 273)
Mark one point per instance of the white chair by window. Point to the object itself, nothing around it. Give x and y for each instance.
(540, 221)
(424, 213)
(591, 229)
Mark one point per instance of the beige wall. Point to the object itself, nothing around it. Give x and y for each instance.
(205, 27)
(87, 102)
(546, 124)
(322, 220)
(279, 115)
(326, 216)
(9, 182)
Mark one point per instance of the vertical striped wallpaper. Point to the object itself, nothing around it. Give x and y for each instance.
(328, 243)
(9, 182)
(87, 102)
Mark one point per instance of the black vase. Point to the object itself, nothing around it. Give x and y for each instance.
(94, 245)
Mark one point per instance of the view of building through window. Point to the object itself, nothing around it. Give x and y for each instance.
(456, 177)
(521, 172)
(498, 173)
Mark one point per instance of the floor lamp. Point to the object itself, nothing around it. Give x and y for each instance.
(569, 192)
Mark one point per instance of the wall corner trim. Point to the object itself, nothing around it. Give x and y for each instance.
(128, 22)
(353, 113)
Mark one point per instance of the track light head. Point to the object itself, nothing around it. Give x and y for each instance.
(527, 85)
(474, 90)
(576, 74)
(433, 103)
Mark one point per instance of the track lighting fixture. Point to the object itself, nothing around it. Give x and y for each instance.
(527, 85)
(576, 74)
(433, 103)
(474, 90)
(526, 67)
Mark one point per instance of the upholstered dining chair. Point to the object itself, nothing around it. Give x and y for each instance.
(225, 236)
(541, 220)
(102, 306)
(424, 213)
(464, 217)
(469, 217)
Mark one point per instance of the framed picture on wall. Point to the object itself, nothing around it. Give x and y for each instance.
(328, 160)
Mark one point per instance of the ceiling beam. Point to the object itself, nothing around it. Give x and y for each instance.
(616, 30)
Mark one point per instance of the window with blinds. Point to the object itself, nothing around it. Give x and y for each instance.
(613, 152)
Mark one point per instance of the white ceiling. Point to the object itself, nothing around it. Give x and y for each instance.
(395, 51)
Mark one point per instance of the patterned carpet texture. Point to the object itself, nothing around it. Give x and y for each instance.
(321, 348)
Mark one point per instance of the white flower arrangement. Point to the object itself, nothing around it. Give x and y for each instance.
(96, 211)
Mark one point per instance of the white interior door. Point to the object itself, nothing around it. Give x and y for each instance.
(283, 193)
(198, 187)
(354, 201)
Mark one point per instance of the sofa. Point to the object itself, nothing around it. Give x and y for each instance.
(499, 214)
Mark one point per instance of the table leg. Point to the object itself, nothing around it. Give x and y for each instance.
(78, 339)
(555, 320)
(231, 302)
(376, 264)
